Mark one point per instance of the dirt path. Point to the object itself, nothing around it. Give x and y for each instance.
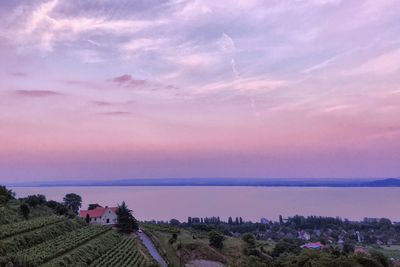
(204, 263)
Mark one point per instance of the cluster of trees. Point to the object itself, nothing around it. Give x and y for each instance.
(6, 195)
(126, 222)
(323, 229)
(238, 220)
(70, 205)
(206, 220)
(307, 258)
(216, 239)
(213, 220)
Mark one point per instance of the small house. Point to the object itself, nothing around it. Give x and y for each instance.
(100, 215)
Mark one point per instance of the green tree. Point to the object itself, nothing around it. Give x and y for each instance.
(87, 219)
(73, 202)
(5, 194)
(348, 248)
(216, 239)
(35, 200)
(126, 223)
(58, 208)
(380, 257)
(249, 238)
(24, 209)
(93, 206)
(174, 222)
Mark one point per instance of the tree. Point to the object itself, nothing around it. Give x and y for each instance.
(126, 223)
(87, 219)
(249, 238)
(93, 206)
(73, 202)
(174, 222)
(280, 219)
(58, 208)
(34, 200)
(348, 248)
(230, 221)
(24, 210)
(189, 220)
(5, 194)
(216, 239)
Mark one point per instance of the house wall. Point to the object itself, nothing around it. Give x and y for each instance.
(110, 216)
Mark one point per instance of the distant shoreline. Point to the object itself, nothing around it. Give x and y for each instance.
(218, 182)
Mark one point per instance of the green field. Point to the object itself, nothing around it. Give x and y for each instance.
(58, 241)
(193, 244)
(389, 251)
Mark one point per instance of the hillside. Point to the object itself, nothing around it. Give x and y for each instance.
(46, 239)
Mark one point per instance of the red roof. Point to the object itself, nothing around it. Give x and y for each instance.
(316, 245)
(97, 212)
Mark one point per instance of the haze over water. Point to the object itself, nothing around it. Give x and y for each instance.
(251, 203)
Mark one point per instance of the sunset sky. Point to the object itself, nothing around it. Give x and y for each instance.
(114, 89)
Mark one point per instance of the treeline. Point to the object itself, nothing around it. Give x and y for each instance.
(214, 220)
(323, 222)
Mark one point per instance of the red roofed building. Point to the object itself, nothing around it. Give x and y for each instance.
(316, 245)
(100, 215)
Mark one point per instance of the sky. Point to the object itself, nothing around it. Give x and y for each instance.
(115, 89)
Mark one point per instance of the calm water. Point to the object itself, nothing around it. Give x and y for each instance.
(251, 203)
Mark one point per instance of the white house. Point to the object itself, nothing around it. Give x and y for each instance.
(100, 215)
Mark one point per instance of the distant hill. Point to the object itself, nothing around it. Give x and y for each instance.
(390, 182)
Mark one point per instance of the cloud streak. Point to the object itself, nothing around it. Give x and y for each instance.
(36, 93)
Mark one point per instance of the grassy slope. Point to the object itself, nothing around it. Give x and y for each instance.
(388, 251)
(10, 214)
(192, 245)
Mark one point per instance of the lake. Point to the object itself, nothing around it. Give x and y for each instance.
(251, 203)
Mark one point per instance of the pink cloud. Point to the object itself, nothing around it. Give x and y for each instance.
(128, 80)
(116, 113)
(36, 93)
(19, 74)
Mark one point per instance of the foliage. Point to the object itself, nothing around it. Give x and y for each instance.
(24, 209)
(73, 202)
(216, 239)
(312, 258)
(174, 222)
(8, 230)
(43, 252)
(6, 194)
(121, 255)
(249, 238)
(88, 252)
(58, 208)
(173, 238)
(93, 206)
(35, 200)
(31, 238)
(286, 246)
(126, 223)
